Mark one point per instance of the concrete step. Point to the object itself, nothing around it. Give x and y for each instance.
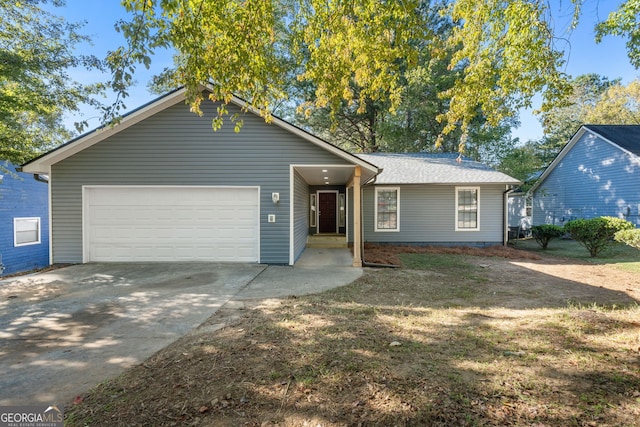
(327, 241)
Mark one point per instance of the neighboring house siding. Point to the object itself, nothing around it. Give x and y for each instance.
(21, 196)
(517, 211)
(593, 179)
(300, 215)
(177, 147)
(427, 216)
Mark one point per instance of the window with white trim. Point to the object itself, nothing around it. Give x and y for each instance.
(26, 231)
(312, 210)
(467, 208)
(387, 209)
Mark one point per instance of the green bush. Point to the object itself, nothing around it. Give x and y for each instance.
(595, 234)
(629, 237)
(544, 233)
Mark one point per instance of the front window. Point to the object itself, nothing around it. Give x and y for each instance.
(26, 231)
(387, 209)
(467, 208)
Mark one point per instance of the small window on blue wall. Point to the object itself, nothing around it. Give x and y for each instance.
(26, 231)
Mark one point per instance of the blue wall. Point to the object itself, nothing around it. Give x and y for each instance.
(593, 179)
(22, 196)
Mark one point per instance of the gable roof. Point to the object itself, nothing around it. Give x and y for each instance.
(42, 163)
(428, 168)
(624, 137)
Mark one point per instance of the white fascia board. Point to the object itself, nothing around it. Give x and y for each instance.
(42, 164)
(624, 150)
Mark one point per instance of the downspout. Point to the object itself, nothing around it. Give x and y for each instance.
(505, 215)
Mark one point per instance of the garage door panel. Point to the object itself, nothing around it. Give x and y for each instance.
(171, 224)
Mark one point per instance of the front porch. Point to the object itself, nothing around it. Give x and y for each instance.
(321, 214)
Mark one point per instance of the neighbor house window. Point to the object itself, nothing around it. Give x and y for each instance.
(467, 208)
(528, 205)
(387, 216)
(26, 231)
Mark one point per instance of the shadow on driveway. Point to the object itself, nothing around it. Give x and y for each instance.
(64, 331)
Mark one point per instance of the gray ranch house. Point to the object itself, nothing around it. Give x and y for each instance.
(162, 186)
(595, 174)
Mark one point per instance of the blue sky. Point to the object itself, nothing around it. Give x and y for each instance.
(608, 58)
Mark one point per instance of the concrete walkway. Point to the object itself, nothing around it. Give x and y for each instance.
(64, 331)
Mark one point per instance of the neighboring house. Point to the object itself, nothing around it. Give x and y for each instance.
(24, 221)
(520, 207)
(595, 174)
(519, 214)
(162, 186)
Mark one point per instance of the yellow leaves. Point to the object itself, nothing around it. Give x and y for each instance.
(361, 44)
(506, 56)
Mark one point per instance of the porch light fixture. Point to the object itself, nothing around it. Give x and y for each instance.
(275, 197)
(324, 171)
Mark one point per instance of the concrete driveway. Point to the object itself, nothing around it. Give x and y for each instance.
(64, 331)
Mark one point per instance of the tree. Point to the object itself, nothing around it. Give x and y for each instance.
(629, 237)
(544, 233)
(617, 105)
(594, 100)
(624, 22)
(35, 87)
(522, 161)
(353, 52)
(562, 120)
(596, 234)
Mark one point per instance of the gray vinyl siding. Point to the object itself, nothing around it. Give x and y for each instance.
(177, 147)
(593, 179)
(300, 214)
(427, 216)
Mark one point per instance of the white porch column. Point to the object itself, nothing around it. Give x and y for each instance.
(357, 215)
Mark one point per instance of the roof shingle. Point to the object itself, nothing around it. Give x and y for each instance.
(427, 168)
(626, 136)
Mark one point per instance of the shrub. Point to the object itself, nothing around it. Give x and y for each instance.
(629, 237)
(544, 233)
(595, 234)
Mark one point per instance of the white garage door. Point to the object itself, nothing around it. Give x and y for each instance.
(134, 224)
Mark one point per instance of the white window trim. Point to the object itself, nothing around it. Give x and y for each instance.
(375, 209)
(477, 228)
(15, 229)
(313, 210)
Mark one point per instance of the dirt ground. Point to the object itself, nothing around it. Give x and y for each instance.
(480, 337)
(601, 279)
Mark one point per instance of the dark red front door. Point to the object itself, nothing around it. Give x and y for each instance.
(327, 203)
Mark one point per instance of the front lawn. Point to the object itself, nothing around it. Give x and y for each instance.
(618, 254)
(455, 340)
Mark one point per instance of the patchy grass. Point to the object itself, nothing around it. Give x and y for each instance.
(427, 346)
(622, 256)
